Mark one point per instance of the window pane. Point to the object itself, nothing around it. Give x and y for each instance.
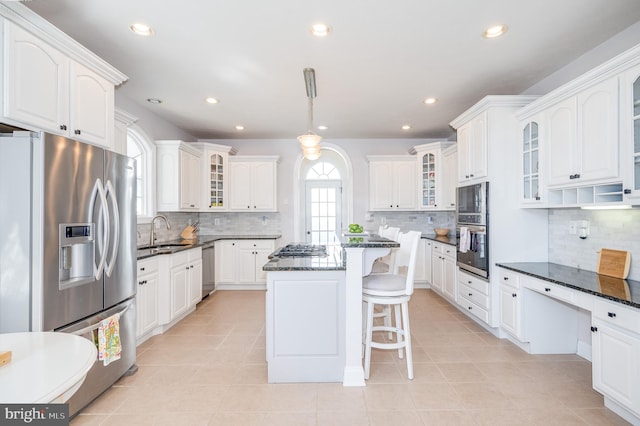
(636, 97)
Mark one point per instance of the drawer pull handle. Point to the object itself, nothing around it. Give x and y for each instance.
(470, 308)
(547, 289)
(468, 282)
(506, 278)
(594, 329)
(142, 269)
(611, 314)
(470, 294)
(514, 295)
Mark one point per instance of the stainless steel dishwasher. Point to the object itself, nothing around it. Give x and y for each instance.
(208, 271)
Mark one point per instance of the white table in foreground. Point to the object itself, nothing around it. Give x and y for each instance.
(45, 367)
(361, 252)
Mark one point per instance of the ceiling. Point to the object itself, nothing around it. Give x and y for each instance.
(373, 71)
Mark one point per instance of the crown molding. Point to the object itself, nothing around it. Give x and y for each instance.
(21, 15)
(124, 117)
(608, 69)
(492, 101)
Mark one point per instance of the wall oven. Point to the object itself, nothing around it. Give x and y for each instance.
(472, 229)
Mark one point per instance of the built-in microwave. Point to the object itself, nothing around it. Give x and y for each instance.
(472, 204)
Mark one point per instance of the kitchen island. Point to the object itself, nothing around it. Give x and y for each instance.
(314, 312)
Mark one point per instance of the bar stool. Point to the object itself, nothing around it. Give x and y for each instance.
(393, 289)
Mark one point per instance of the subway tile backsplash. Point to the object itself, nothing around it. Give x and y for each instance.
(613, 229)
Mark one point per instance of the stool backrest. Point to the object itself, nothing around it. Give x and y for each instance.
(390, 233)
(406, 256)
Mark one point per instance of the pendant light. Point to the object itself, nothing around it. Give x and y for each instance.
(310, 142)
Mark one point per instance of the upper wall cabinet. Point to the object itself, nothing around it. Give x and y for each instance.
(472, 150)
(531, 181)
(253, 183)
(630, 132)
(215, 176)
(178, 176)
(46, 90)
(582, 136)
(392, 183)
(433, 176)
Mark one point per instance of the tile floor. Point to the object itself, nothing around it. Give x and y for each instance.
(210, 369)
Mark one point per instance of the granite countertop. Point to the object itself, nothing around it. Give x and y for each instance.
(366, 240)
(447, 239)
(333, 261)
(204, 241)
(618, 290)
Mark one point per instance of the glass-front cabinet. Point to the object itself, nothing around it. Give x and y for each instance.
(530, 163)
(432, 174)
(429, 183)
(217, 169)
(215, 176)
(630, 132)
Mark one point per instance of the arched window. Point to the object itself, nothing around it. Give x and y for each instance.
(139, 148)
(323, 170)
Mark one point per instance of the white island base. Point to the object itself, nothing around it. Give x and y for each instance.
(305, 326)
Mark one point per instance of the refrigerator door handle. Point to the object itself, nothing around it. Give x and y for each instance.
(103, 243)
(97, 325)
(110, 264)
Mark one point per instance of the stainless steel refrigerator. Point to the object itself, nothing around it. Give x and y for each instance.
(67, 245)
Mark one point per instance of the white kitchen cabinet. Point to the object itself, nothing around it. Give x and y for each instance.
(239, 263)
(615, 354)
(177, 176)
(531, 182)
(392, 183)
(185, 284)
(510, 304)
(450, 180)
(630, 132)
(432, 176)
(443, 270)
(472, 150)
(474, 296)
(423, 268)
(215, 176)
(253, 184)
(582, 136)
(46, 90)
(147, 296)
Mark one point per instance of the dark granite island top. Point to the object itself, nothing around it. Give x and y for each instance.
(626, 292)
(333, 261)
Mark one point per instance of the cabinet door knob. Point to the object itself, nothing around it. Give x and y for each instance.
(63, 127)
(77, 131)
(514, 295)
(611, 314)
(594, 329)
(470, 308)
(547, 289)
(470, 294)
(142, 269)
(506, 278)
(471, 175)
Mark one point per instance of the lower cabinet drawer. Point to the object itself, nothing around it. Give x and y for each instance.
(473, 282)
(549, 289)
(473, 295)
(472, 308)
(616, 314)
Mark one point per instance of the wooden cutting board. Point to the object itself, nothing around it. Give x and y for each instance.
(614, 263)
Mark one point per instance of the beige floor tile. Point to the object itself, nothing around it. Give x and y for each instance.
(342, 418)
(210, 369)
(447, 418)
(395, 417)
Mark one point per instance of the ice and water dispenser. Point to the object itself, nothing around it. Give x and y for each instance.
(76, 251)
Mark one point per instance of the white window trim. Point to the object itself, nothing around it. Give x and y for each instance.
(150, 185)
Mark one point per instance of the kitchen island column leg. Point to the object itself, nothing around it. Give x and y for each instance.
(353, 371)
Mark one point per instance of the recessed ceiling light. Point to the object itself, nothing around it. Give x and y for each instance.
(320, 30)
(211, 100)
(141, 29)
(322, 127)
(494, 31)
(239, 127)
(406, 127)
(154, 101)
(430, 101)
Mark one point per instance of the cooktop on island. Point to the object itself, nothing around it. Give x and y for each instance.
(300, 250)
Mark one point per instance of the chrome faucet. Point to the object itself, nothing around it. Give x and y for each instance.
(152, 235)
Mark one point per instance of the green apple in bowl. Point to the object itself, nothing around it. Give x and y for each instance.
(355, 228)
